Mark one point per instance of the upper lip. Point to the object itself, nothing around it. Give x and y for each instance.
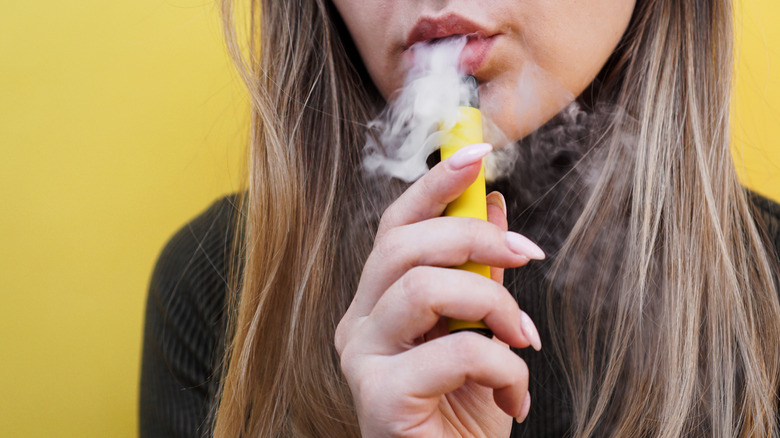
(428, 28)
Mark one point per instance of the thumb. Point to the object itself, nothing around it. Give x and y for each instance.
(496, 214)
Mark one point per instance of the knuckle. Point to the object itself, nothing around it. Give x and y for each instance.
(471, 231)
(496, 298)
(413, 286)
(366, 380)
(522, 374)
(352, 361)
(428, 186)
(346, 361)
(388, 244)
(466, 347)
(344, 338)
(340, 337)
(480, 232)
(388, 219)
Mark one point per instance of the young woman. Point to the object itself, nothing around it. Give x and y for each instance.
(651, 283)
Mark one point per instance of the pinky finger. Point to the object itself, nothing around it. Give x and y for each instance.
(445, 364)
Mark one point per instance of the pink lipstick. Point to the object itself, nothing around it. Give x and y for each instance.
(480, 39)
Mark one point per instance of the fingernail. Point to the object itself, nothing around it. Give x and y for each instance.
(468, 155)
(529, 330)
(520, 244)
(497, 199)
(526, 408)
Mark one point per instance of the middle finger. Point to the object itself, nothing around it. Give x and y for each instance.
(442, 242)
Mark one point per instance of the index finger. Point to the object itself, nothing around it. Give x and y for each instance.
(428, 197)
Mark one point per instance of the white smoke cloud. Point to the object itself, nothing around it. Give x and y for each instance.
(408, 130)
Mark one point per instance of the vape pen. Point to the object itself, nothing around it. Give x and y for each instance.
(466, 131)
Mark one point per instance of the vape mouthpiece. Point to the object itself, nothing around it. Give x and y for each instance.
(472, 86)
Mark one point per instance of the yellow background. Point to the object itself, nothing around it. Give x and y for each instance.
(756, 125)
(119, 121)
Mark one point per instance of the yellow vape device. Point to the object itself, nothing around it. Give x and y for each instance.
(468, 130)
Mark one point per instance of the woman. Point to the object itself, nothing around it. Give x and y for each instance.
(656, 304)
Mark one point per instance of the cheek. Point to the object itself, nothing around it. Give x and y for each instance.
(583, 54)
(368, 22)
(515, 106)
(563, 52)
(386, 77)
(591, 45)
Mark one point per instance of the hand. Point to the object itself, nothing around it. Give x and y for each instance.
(407, 375)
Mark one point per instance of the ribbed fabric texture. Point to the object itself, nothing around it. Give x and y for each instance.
(767, 214)
(183, 337)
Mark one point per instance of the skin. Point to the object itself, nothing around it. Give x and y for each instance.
(561, 45)
(407, 376)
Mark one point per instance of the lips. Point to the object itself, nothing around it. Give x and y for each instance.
(479, 39)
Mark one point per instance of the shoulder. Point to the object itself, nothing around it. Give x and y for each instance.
(202, 246)
(194, 264)
(188, 288)
(767, 214)
(184, 325)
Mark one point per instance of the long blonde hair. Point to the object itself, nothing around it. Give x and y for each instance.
(694, 323)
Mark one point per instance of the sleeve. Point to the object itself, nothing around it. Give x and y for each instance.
(767, 214)
(184, 327)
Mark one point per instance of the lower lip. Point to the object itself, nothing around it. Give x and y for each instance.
(475, 54)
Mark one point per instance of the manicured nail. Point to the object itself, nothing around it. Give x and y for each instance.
(529, 330)
(526, 408)
(469, 155)
(497, 199)
(520, 244)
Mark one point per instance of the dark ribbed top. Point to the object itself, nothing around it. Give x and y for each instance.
(183, 336)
